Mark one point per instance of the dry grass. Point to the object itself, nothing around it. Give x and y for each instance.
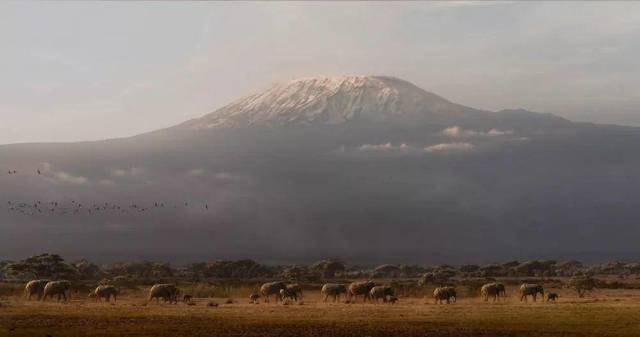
(604, 313)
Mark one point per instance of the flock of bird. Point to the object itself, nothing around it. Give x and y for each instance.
(16, 171)
(91, 208)
(77, 208)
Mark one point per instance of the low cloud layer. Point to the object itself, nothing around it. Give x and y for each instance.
(61, 177)
(450, 147)
(126, 172)
(458, 132)
(384, 147)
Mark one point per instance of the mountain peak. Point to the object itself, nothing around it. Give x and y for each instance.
(328, 100)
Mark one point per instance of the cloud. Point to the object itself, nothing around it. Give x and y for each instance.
(496, 132)
(449, 147)
(61, 177)
(196, 172)
(224, 176)
(106, 182)
(458, 132)
(460, 4)
(384, 147)
(119, 172)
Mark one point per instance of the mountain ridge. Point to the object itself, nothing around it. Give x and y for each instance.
(328, 100)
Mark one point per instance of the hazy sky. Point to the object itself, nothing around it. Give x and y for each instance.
(82, 71)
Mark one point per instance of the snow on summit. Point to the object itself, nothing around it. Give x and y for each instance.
(327, 100)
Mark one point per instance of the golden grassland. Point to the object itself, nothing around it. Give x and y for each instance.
(602, 313)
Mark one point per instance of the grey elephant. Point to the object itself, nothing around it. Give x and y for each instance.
(447, 294)
(359, 288)
(253, 298)
(106, 292)
(294, 290)
(381, 292)
(61, 289)
(552, 297)
(492, 290)
(168, 293)
(272, 288)
(334, 290)
(527, 289)
(35, 287)
(288, 294)
(502, 290)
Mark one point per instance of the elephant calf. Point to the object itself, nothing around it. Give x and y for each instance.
(254, 297)
(552, 297)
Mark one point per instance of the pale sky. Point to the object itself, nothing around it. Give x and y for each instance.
(74, 71)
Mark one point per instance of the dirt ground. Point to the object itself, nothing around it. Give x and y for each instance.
(603, 313)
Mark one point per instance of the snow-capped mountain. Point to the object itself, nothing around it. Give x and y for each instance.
(368, 168)
(329, 100)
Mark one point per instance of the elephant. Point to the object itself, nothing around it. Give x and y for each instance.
(168, 292)
(502, 291)
(105, 291)
(333, 289)
(288, 293)
(58, 288)
(294, 290)
(360, 288)
(552, 297)
(35, 287)
(493, 290)
(254, 297)
(381, 292)
(444, 294)
(272, 288)
(532, 290)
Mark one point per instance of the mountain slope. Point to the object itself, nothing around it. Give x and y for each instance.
(330, 100)
(370, 169)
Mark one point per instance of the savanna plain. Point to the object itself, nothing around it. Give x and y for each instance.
(602, 312)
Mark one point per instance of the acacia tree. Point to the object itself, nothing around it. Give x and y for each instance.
(581, 284)
(436, 277)
(42, 266)
(329, 267)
